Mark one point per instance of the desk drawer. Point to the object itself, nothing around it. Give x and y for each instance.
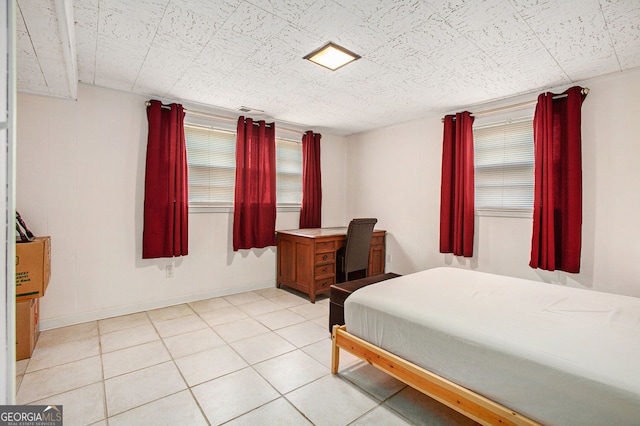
(325, 257)
(327, 269)
(324, 284)
(375, 241)
(322, 246)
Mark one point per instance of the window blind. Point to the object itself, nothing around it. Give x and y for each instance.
(288, 172)
(211, 155)
(503, 156)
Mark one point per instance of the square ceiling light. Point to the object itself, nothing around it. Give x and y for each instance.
(332, 56)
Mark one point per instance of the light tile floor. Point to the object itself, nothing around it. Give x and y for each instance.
(260, 357)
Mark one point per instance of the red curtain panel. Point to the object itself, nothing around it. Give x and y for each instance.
(557, 207)
(311, 211)
(166, 201)
(254, 208)
(457, 186)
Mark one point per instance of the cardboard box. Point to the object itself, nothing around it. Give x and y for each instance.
(33, 268)
(26, 328)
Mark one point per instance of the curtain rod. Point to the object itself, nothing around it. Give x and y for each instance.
(222, 117)
(584, 91)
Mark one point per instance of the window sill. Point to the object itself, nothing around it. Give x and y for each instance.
(521, 213)
(229, 209)
(210, 209)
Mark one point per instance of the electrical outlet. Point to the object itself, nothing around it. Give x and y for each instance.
(388, 257)
(168, 271)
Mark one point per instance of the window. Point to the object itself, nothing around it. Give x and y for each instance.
(503, 155)
(288, 172)
(211, 156)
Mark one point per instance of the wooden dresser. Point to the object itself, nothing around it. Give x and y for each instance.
(307, 258)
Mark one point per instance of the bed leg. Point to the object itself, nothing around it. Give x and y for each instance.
(335, 350)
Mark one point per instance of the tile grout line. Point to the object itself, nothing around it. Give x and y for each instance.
(101, 333)
(104, 382)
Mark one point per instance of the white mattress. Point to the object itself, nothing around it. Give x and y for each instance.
(555, 354)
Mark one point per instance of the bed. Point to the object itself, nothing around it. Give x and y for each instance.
(501, 350)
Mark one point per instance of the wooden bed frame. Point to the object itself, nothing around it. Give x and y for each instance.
(467, 402)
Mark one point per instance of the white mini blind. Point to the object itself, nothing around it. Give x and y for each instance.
(211, 155)
(288, 172)
(503, 156)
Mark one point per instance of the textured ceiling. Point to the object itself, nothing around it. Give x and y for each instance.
(418, 56)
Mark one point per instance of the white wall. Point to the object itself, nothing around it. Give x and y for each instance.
(80, 179)
(395, 176)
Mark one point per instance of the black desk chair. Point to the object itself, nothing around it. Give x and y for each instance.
(354, 255)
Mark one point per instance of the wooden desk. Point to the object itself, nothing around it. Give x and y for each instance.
(307, 258)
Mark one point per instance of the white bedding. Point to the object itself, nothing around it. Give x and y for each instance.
(555, 354)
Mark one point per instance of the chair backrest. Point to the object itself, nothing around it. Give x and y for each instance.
(357, 243)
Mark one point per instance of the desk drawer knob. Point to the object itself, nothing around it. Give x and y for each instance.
(325, 257)
(324, 284)
(324, 269)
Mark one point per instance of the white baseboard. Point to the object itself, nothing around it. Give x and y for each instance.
(51, 323)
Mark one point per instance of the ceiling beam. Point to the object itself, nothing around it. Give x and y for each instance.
(64, 12)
